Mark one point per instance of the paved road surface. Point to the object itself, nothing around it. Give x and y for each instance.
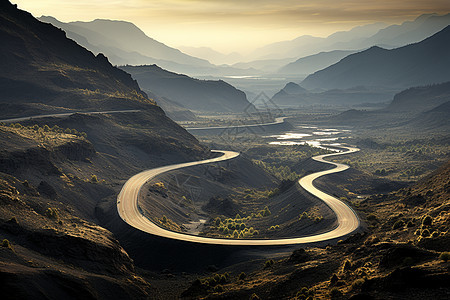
(277, 121)
(127, 206)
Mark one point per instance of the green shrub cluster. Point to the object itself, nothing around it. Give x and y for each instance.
(280, 172)
(6, 244)
(52, 213)
(268, 263)
(305, 294)
(47, 128)
(312, 214)
(235, 228)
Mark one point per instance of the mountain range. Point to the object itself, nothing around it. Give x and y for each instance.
(358, 38)
(124, 43)
(422, 63)
(191, 93)
(313, 63)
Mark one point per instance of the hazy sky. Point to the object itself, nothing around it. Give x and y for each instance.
(233, 25)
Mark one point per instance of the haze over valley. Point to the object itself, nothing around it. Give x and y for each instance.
(224, 150)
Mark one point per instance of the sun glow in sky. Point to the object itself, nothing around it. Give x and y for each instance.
(236, 25)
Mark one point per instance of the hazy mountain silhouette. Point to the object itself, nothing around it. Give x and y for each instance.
(417, 64)
(123, 42)
(308, 45)
(195, 94)
(292, 95)
(212, 55)
(424, 107)
(408, 32)
(312, 63)
(264, 65)
(358, 38)
(420, 99)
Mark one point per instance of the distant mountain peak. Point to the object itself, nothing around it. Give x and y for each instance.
(293, 88)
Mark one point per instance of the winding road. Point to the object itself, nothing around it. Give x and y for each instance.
(127, 206)
(279, 120)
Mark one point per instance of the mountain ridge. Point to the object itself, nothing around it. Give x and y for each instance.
(410, 65)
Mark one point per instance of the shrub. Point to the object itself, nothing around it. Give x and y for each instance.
(427, 220)
(268, 263)
(399, 224)
(445, 256)
(94, 179)
(164, 219)
(266, 212)
(305, 294)
(254, 297)
(242, 276)
(218, 288)
(6, 244)
(425, 233)
(347, 265)
(51, 213)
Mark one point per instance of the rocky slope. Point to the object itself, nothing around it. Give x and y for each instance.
(402, 254)
(195, 94)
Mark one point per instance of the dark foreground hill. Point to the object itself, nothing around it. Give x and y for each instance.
(422, 63)
(195, 94)
(45, 72)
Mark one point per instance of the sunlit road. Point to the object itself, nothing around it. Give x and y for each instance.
(127, 206)
(279, 120)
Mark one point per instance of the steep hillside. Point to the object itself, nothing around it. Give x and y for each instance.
(46, 67)
(48, 197)
(49, 73)
(195, 94)
(313, 63)
(422, 63)
(434, 119)
(421, 98)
